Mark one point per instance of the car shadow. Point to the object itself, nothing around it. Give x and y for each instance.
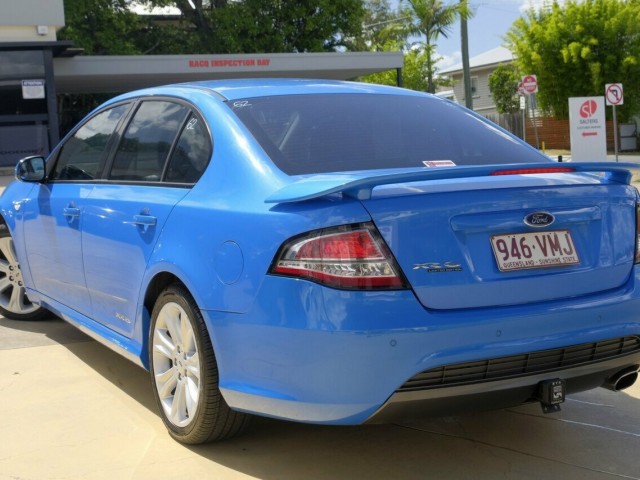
(39, 332)
(514, 443)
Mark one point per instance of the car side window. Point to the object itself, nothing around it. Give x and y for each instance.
(192, 153)
(143, 150)
(81, 156)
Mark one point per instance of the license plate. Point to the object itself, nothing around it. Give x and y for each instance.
(520, 251)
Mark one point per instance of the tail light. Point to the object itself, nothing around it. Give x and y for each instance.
(351, 257)
(637, 256)
(534, 171)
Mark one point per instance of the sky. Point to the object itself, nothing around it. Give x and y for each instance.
(486, 29)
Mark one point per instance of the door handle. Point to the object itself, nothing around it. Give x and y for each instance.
(71, 212)
(145, 220)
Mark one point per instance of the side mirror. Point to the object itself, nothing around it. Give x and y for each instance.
(31, 169)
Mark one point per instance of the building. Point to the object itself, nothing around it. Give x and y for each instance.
(35, 67)
(28, 119)
(480, 66)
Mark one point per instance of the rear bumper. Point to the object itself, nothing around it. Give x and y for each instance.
(410, 405)
(311, 354)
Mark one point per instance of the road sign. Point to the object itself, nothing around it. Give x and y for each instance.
(614, 94)
(530, 84)
(587, 128)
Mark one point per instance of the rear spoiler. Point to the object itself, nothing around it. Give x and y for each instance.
(359, 185)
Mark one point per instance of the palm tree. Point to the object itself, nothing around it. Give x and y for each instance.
(433, 18)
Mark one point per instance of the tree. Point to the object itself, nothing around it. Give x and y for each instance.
(414, 72)
(384, 29)
(577, 48)
(388, 30)
(503, 84)
(433, 18)
(101, 27)
(273, 26)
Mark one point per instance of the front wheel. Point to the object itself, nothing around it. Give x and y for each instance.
(14, 303)
(185, 374)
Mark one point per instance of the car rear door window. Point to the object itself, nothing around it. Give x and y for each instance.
(192, 153)
(143, 150)
(81, 156)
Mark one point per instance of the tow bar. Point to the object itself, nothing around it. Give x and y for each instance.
(551, 393)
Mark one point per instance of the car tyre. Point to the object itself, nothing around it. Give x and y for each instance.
(184, 373)
(14, 303)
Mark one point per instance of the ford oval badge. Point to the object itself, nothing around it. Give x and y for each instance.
(539, 219)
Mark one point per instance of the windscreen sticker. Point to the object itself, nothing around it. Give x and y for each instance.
(241, 103)
(438, 163)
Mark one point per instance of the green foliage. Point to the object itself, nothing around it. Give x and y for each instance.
(414, 73)
(265, 26)
(384, 29)
(503, 84)
(433, 18)
(577, 48)
(101, 27)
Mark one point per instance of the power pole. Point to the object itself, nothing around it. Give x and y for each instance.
(466, 74)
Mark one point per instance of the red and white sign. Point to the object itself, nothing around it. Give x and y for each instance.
(614, 94)
(530, 84)
(588, 109)
(587, 129)
(438, 163)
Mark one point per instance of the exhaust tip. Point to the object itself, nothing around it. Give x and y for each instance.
(623, 379)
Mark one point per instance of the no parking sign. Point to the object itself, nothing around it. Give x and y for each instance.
(614, 94)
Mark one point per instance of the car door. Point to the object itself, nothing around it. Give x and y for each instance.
(54, 215)
(125, 215)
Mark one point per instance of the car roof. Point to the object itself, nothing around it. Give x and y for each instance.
(236, 89)
(266, 87)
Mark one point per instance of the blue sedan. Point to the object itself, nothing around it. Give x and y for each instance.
(326, 252)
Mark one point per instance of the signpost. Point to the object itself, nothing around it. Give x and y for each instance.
(614, 96)
(529, 86)
(523, 109)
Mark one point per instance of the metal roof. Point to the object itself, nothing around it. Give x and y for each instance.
(486, 59)
(113, 74)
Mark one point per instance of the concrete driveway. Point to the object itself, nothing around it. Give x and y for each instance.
(71, 408)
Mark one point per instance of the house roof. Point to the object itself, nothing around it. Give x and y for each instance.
(491, 57)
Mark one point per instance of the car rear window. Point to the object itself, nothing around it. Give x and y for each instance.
(305, 134)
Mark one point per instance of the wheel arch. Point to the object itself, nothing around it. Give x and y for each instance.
(159, 282)
(3, 221)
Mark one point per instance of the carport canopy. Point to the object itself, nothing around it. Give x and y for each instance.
(112, 74)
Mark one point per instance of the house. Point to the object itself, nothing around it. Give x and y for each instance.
(480, 66)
